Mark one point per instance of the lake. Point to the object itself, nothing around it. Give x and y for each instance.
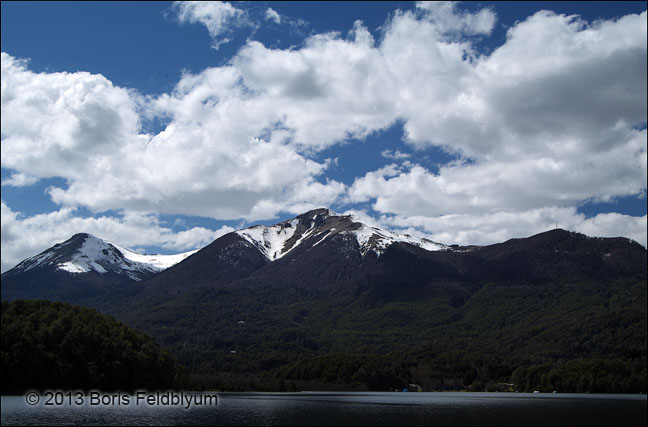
(340, 408)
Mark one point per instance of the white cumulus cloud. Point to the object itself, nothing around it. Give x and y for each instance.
(448, 18)
(219, 17)
(207, 162)
(273, 15)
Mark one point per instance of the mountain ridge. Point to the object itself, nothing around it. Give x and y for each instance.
(279, 239)
(285, 251)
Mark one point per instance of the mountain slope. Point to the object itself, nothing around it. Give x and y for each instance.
(225, 260)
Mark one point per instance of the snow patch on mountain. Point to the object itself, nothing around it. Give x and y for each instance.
(91, 251)
(34, 261)
(377, 240)
(306, 234)
(271, 240)
(326, 234)
(156, 262)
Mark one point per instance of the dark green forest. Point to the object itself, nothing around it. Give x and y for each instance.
(564, 337)
(569, 337)
(53, 345)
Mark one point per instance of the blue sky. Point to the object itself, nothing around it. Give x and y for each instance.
(161, 126)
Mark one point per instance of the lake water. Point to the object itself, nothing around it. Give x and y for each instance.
(325, 408)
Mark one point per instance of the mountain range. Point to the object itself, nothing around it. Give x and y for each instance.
(86, 258)
(323, 249)
(277, 299)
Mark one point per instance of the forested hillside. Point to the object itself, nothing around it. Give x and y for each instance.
(575, 337)
(53, 345)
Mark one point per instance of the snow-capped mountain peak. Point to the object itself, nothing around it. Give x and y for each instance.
(91, 252)
(84, 253)
(275, 241)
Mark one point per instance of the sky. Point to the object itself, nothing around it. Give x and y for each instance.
(161, 126)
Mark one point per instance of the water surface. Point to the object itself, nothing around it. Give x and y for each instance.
(324, 408)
